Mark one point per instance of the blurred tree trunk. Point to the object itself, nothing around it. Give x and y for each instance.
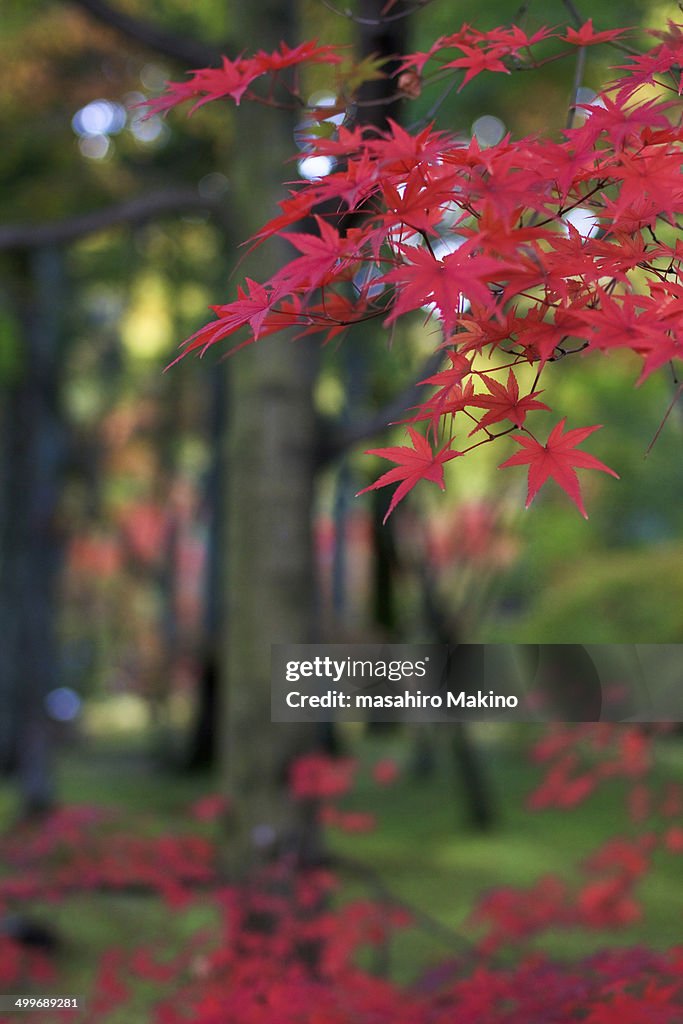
(475, 788)
(385, 38)
(35, 450)
(204, 733)
(270, 465)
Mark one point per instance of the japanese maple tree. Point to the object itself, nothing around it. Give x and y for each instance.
(523, 253)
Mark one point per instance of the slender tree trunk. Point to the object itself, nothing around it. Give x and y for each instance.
(204, 734)
(35, 445)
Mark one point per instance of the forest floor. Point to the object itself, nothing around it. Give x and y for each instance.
(420, 853)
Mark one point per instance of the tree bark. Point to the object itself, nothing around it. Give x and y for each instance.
(270, 465)
(35, 451)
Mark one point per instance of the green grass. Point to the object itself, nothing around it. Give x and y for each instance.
(428, 858)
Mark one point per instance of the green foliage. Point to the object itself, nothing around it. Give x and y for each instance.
(619, 578)
(608, 598)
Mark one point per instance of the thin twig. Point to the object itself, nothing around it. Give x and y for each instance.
(677, 395)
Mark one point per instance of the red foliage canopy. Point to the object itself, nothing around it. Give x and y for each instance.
(522, 252)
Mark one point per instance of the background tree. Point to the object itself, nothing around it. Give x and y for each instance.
(42, 457)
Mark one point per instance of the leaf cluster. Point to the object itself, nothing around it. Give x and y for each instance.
(523, 253)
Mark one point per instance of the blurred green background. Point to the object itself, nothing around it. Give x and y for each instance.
(154, 538)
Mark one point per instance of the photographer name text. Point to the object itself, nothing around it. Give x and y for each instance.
(338, 699)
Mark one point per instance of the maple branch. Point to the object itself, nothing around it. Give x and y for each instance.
(492, 437)
(187, 50)
(337, 438)
(133, 211)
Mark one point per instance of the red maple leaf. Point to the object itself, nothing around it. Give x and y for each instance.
(398, 150)
(234, 77)
(253, 307)
(324, 256)
(416, 202)
(424, 279)
(477, 59)
(294, 209)
(587, 36)
(620, 123)
(655, 173)
(643, 70)
(445, 380)
(504, 402)
(446, 402)
(287, 56)
(557, 459)
(618, 324)
(420, 462)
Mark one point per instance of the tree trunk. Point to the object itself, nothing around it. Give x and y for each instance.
(270, 464)
(35, 444)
